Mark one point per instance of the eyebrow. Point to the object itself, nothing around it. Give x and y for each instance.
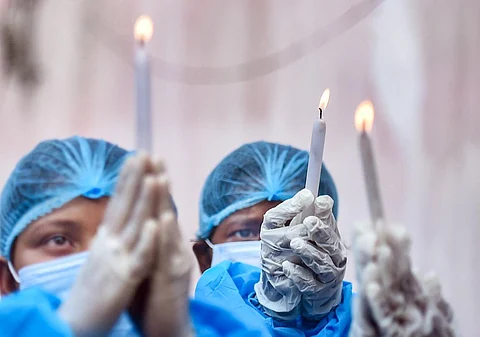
(249, 222)
(60, 223)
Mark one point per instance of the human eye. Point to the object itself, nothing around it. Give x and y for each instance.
(243, 234)
(58, 244)
(57, 240)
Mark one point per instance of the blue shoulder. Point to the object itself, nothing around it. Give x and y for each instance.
(32, 313)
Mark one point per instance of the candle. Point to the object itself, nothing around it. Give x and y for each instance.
(363, 123)
(143, 32)
(317, 145)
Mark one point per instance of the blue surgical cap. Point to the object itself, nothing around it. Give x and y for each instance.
(253, 173)
(53, 174)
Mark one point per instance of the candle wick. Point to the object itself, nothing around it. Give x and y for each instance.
(364, 125)
(320, 113)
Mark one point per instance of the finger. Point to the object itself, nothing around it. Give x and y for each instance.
(294, 232)
(124, 173)
(280, 285)
(279, 238)
(397, 237)
(364, 247)
(122, 203)
(319, 232)
(272, 258)
(315, 294)
(318, 261)
(165, 203)
(326, 239)
(143, 209)
(145, 248)
(396, 266)
(158, 166)
(179, 253)
(172, 252)
(171, 234)
(123, 178)
(324, 211)
(323, 206)
(302, 277)
(287, 210)
(378, 301)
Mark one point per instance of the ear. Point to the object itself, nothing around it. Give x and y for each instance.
(204, 255)
(7, 282)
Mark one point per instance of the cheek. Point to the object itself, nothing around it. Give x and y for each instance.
(219, 235)
(23, 257)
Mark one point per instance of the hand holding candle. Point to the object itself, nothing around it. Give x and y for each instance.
(143, 33)
(363, 123)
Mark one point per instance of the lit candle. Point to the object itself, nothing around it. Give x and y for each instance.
(363, 123)
(143, 32)
(317, 145)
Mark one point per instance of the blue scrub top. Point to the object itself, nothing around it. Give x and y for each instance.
(230, 284)
(33, 313)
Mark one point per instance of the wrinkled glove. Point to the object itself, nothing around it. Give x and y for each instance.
(392, 300)
(303, 265)
(161, 306)
(120, 257)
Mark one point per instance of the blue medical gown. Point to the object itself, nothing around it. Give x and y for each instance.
(33, 313)
(231, 284)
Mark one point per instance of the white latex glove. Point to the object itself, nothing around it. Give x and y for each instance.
(121, 254)
(303, 265)
(163, 307)
(392, 301)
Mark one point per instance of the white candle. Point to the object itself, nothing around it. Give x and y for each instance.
(364, 122)
(143, 33)
(317, 145)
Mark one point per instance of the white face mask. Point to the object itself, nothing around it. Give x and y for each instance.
(57, 277)
(247, 252)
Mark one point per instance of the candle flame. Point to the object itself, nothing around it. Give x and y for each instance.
(364, 116)
(143, 29)
(324, 100)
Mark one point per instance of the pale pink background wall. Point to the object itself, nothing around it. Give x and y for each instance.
(227, 73)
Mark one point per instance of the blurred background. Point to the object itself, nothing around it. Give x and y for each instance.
(226, 73)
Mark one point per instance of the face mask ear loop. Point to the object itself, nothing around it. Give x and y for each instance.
(13, 272)
(209, 243)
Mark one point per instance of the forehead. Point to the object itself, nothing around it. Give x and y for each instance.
(250, 213)
(83, 211)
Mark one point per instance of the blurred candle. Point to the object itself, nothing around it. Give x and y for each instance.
(143, 32)
(363, 123)
(316, 153)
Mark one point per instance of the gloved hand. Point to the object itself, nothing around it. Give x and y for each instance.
(121, 254)
(392, 300)
(161, 305)
(303, 265)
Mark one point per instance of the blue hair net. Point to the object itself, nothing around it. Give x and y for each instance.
(54, 173)
(253, 173)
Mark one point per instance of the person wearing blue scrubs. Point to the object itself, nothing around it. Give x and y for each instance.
(51, 208)
(248, 191)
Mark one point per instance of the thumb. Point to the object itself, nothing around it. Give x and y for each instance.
(287, 210)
